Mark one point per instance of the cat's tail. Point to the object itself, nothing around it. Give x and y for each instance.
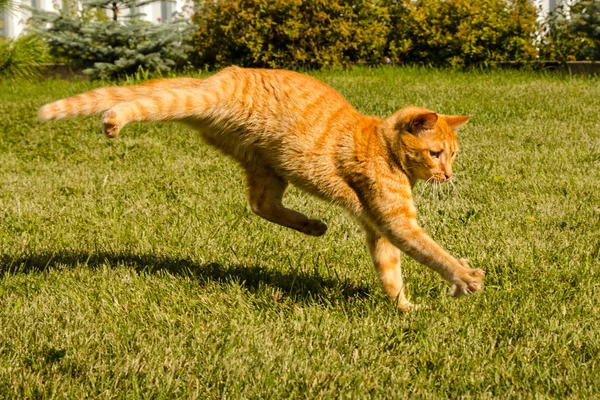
(99, 100)
(92, 102)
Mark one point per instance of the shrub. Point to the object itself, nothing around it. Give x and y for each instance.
(557, 41)
(462, 32)
(21, 57)
(289, 33)
(585, 26)
(572, 33)
(321, 33)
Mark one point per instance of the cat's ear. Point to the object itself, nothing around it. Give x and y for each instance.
(456, 121)
(422, 122)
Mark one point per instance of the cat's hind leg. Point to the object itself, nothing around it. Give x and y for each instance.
(265, 193)
(386, 259)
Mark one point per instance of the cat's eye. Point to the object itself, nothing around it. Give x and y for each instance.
(435, 154)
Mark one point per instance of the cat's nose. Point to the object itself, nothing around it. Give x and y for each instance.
(447, 168)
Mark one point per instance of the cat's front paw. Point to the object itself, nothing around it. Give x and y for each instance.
(110, 124)
(468, 281)
(314, 227)
(407, 306)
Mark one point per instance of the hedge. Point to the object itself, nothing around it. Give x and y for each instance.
(335, 33)
(289, 33)
(462, 32)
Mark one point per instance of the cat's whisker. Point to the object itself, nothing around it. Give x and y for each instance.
(425, 185)
(455, 190)
(456, 180)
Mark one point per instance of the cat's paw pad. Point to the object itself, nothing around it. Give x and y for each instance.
(468, 283)
(110, 124)
(314, 227)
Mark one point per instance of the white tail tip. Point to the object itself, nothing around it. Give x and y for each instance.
(45, 113)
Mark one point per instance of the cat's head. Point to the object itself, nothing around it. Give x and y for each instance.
(425, 142)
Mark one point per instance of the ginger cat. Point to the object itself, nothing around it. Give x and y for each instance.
(282, 126)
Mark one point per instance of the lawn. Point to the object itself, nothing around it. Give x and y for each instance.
(134, 268)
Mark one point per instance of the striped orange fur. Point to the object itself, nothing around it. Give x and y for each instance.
(284, 127)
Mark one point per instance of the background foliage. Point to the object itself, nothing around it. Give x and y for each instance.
(20, 57)
(289, 33)
(306, 34)
(586, 26)
(461, 32)
(109, 47)
(586, 20)
(320, 33)
(571, 33)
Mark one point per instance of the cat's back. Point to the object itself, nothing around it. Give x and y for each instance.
(274, 80)
(280, 94)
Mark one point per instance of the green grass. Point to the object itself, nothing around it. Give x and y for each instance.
(135, 268)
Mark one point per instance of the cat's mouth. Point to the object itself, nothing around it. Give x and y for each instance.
(439, 178)
(440, 185)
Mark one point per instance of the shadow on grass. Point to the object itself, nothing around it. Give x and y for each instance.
(297, 285)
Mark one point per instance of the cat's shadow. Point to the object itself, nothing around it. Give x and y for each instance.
(298, 286)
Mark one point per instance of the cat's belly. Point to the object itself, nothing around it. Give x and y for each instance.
(313, 171)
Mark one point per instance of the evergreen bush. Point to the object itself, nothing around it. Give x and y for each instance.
(111, 46)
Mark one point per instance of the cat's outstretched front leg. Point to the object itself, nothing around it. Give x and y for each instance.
(391, 210)
(386, 259)
(265, 193)
(409, 237)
